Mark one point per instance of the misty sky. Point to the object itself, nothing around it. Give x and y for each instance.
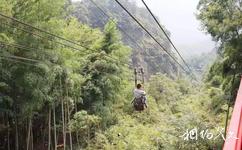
(179, 18)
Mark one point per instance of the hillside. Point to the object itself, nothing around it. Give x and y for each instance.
(66, 82)
(147, 53)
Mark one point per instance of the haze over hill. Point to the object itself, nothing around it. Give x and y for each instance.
(180, 20)
(185, 29)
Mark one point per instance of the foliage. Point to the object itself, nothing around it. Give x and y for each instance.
(222, 19)
(179, 107)
(53, 92)
(145, 51)
(53, 75)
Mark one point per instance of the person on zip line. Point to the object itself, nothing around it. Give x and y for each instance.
(140, 99)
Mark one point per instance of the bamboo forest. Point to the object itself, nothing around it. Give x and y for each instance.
(120, 75)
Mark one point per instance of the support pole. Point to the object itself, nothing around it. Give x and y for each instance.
(135, 77)
(229, 101)
(142, 74)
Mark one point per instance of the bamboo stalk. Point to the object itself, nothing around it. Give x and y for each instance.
(28, 137)
(63, 117)
(55, 146)
(68, 115)
(77, 136)
(63, 123)
(8, 134)
(32, 136)
(16, 133)
(49, 134)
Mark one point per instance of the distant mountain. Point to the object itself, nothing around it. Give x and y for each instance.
(198, 48)
(201, 62)
(149, 56)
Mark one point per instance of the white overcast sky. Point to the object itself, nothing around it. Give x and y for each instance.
(179, 18)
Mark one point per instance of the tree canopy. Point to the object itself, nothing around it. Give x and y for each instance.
(66, 78)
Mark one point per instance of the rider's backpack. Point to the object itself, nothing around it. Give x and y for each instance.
(139, 103)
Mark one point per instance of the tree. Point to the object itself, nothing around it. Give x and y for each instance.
(222, 19)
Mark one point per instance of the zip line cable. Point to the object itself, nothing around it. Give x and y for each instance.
(23, 58)
(20, 47)
(112, 19)
(108, 15)
(162, 29)
(42, 30)
(150, 35)
(17, 61)
(53, 35)
(42, 37)
(74, 42)
(29, 49)
(19, 58)
(46, 32)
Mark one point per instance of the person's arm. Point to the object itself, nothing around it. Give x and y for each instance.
(143, 93)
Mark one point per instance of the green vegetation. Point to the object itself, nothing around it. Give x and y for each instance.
(148, 54)
(222, 19)
(53, 95)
